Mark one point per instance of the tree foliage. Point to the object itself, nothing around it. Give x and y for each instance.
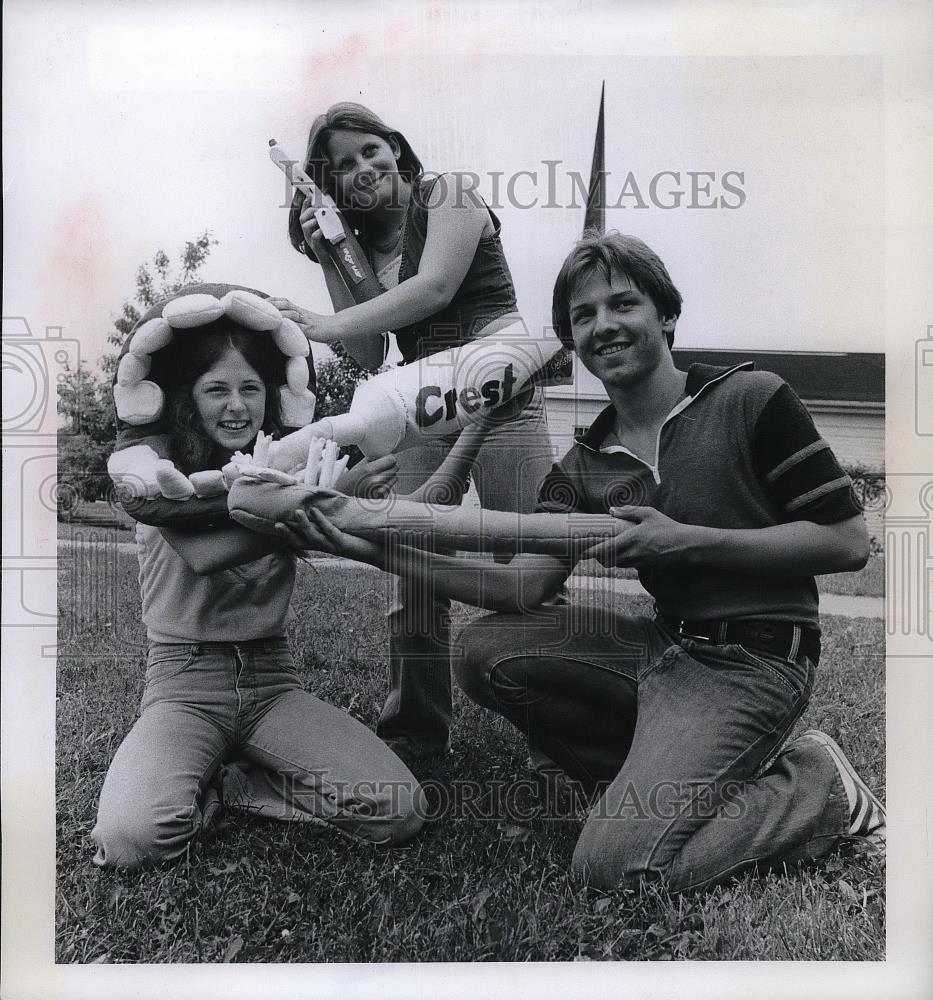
(82, 471)
(86, 403)
(85, 399)
(155, 281)
(337, 378)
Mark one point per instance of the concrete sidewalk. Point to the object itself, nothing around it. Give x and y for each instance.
(830, 604)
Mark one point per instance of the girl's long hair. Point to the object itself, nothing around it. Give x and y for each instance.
(179, 365)
(350, 117)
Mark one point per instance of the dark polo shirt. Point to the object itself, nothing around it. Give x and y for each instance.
(738, 451)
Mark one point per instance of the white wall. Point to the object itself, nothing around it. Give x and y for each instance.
(857, 437)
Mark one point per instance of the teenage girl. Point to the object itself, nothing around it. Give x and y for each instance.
(220, 680)
(436, 249)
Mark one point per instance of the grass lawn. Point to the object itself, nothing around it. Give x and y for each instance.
(867, 582)
(467, 889)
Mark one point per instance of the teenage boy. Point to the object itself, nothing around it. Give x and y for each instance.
(729, 504)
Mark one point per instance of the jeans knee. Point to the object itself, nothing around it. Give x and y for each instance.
(123, 845)
(605, 858)
(391, 819)
(411, 816)
(472, 667)
(588, 865)
(131, 841)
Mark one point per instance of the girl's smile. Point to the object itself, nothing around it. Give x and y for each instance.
(230, 399)
(364, 168)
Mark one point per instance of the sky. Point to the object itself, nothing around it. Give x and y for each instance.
(134, 127)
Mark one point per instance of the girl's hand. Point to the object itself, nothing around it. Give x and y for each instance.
(318, 533)
(298, 533)
(371, 479)
(310, 228)
(317, 328)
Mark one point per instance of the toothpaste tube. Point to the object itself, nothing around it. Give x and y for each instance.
(433, 397)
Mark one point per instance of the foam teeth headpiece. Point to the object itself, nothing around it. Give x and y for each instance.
(141, 472)
(322, 467)
(139, 401)
(142, 469)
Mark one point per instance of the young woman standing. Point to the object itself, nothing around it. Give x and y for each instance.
(436, 249)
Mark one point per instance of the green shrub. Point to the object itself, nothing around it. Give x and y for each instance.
(869, 484)
(82, 472)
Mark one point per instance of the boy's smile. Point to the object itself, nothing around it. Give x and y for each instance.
(617, 332)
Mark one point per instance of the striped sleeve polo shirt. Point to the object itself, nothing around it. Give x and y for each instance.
(739, 450)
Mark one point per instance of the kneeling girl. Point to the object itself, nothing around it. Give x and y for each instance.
(221, 683)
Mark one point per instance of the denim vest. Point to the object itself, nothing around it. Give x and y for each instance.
(485, 294)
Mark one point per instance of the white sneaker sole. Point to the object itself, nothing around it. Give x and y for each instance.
(865, 799)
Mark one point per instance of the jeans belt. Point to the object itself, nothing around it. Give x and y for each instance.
(783, 639)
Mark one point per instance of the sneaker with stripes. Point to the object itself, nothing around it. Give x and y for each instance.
(866, 813)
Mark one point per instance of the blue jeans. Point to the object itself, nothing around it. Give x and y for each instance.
(299, 758)
(514, 459)
(682, 740)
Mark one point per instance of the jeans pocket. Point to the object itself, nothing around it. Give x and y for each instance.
(167, 661)
(794, 675)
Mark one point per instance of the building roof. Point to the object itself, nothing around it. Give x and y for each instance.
(813, 375)
(829, 377)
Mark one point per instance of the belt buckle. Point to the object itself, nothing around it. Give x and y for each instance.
(681, 631)
(765, 633)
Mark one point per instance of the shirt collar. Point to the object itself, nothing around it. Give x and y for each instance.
(699, 376)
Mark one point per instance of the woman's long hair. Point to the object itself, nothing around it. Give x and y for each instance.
(350, 117)
(193, 352)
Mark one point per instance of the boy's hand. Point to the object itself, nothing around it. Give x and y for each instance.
(646, 537)
(371, 479)
(318, 533)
